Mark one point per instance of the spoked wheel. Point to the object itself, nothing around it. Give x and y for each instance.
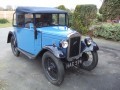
(53, 68)
(89, 60)
(14, 47)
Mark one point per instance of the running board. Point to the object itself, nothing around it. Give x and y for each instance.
(30, 56)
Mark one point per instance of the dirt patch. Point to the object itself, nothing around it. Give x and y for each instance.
(3, 85)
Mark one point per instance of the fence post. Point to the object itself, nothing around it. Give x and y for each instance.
(5, 16)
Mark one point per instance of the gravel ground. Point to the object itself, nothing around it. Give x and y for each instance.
(21, 73)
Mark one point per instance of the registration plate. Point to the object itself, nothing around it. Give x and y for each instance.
(73, 63)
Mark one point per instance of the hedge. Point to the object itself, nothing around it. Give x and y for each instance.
(3, 21)
(83, 17)
(108, 31)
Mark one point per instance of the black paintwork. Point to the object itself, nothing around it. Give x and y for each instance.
(54, 50)
(10, 34)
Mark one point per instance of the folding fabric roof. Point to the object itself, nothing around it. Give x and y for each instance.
(39, 10)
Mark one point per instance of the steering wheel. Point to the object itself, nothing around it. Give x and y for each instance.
(39, 24)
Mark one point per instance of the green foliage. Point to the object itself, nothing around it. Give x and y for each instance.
(62, 7)
(77, 25)
(3, 21)
(110, 9)
(83, 17)
(70, 14)
(99, 17)
(108, 31)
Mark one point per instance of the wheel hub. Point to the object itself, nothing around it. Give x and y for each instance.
(52, 69)
(49, 68)
(85, 57)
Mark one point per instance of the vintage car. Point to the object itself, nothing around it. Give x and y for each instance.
(45, 32)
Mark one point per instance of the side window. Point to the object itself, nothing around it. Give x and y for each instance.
(61, 19)
(38, 15)
(28, 20)
(42, 20)
(20, 20)
(55, 19)
(38, 18)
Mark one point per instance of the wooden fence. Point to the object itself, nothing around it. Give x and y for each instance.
(6, 14)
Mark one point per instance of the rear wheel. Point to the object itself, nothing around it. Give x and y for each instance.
(14, 47)
(89, 60)
(53, 68)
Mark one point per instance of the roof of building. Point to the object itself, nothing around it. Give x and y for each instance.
(39, 10)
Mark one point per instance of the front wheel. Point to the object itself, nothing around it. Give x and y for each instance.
(53, 68)
(89, 60)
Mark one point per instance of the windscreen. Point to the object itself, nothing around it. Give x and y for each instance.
(43, 20)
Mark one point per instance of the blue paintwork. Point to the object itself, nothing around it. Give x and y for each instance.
(53, 35)
(46, 36)
(49, 36)
(61, 31)
(25, 39)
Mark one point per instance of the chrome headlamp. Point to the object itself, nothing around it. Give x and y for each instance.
(64, 44)
(88, 41)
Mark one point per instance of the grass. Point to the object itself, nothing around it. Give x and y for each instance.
(6, 24)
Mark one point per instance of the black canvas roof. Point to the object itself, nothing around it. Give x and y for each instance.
(38, 10)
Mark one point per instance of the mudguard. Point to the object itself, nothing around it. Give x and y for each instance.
(10, 34)
(55, 51)
(92, 47)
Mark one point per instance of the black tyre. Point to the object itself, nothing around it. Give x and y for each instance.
(89, 60)
(53, 68)
(14, 47)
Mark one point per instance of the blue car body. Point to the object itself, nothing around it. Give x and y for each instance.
(49, 36)
(40, 31)
(33, 40)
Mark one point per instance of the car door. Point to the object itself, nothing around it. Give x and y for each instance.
(25, 39)
(25, 34)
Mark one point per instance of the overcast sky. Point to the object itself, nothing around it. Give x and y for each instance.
(49, 3)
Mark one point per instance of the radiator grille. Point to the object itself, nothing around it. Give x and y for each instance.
(74, 48)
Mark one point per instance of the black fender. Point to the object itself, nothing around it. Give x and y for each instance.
(10, 34)
(55, 51)
(92, 47)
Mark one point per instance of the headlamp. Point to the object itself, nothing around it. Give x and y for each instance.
(64, 44)
(88, 41)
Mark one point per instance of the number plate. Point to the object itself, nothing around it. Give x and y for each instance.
(73, 63)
